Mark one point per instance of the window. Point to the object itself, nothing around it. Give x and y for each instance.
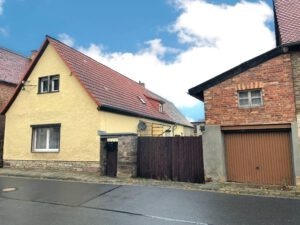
(49, 84)
(46, 138)
(250, 98)
(160, 107)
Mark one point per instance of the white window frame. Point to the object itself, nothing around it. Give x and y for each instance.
(160, 107)
(250, 98)
(50, 79)
(41, 83)
(34, 138)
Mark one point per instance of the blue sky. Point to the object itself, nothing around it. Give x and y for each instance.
(171, 45)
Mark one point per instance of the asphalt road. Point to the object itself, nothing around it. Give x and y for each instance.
(49, 202)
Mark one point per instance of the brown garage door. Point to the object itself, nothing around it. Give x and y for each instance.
(259, 157)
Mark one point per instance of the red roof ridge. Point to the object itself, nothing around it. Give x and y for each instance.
(14, 52)
(96, 61)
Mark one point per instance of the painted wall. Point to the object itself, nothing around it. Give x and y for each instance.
(72, 107)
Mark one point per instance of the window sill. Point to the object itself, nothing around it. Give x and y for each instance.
(250, 107)
(45, 151)
(49, 92)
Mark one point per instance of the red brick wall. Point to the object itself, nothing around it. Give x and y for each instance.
(6, 92)
(273, 77)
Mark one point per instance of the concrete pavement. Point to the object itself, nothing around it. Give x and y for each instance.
(53, 202)
(232, 188)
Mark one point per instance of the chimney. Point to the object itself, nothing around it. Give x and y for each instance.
(33, 54)
(141, 83)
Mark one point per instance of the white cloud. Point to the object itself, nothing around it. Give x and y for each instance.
(67, 39)
(1, 6)
(219, 37)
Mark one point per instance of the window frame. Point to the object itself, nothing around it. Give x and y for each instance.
(250, 98)
(47, 149)
(50, 79)
(160, 108)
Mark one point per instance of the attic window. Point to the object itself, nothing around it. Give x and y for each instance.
(250, 98)
(160, 107)
(49, 84)
(142, 100)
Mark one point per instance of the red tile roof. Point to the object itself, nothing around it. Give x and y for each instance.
(12, 66)
(287, 21)
(107, 87)
(110, 90)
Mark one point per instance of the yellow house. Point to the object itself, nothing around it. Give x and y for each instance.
(66, 100)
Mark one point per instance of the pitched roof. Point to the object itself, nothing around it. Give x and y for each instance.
(198, 90)
(12, 66)
(110, 90)
(287, 21)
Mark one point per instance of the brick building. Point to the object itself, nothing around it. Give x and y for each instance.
(12, 67)
(253, 112)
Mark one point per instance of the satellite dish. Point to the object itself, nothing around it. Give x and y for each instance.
(142, 125)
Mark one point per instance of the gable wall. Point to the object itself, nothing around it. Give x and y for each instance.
(71, 106)
(274, 77)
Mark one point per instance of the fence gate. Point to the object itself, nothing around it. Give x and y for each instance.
(175, 158)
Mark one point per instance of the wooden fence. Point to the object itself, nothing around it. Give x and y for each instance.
(174, 158)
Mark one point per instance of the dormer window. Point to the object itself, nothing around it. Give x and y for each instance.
(160, 107)
(49, 84)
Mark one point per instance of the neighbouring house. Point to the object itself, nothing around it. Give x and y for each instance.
(252, 112)
(67, 102)
(198, 127)
(12, 67)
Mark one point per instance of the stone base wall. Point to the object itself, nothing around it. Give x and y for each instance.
(54, 165)
(127, 157)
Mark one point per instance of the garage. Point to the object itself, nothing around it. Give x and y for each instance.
(259, 155)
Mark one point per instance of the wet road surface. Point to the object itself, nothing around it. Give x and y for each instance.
(46, 202)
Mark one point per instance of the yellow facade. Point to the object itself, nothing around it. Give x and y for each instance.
(71, 107)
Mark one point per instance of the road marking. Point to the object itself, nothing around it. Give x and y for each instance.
(149, 216)
(176, 220)
(9, 189)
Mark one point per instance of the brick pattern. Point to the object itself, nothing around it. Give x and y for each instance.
(288, 20)
(55, 165)
(6, 91)
(273, 77)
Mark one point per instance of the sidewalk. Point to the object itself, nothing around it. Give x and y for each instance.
(230, 188)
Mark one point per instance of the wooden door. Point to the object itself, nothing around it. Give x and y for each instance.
(111, 158)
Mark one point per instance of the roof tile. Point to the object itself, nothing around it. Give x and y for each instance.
(108, 87)
(12, 66)
(287, 21)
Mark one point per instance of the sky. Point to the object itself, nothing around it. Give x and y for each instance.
(170, 45)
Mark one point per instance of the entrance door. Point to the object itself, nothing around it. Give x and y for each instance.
(111, 158)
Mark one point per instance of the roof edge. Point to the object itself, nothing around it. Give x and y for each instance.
(112, 109)
(71, 69)
(197, 91)
(25, 77)
(8, 82)
(15, 53)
